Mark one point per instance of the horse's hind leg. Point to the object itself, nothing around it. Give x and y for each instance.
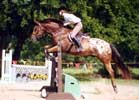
(111, 72)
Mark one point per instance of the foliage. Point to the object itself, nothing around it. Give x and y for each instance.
(116, 21)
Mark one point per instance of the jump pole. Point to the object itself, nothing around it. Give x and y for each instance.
(59, 71)
(60, 95)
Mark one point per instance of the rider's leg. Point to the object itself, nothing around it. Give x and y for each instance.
(74, 32)
(76, 42)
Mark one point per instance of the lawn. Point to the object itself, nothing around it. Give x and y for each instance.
(91, 74)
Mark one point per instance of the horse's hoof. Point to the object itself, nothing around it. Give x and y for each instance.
(115, 90)
(51, 58)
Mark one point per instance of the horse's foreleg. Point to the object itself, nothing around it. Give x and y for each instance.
(50, 50)
(48, 46)
(111, 72)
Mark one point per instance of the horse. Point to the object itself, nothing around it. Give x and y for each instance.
(99, 48)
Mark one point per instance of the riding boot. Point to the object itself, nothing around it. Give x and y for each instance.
(77, 43)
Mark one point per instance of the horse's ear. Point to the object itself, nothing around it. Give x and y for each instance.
(37, 22)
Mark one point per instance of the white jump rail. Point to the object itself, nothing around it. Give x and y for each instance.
(9, 70)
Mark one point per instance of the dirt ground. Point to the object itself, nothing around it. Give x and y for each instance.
(100, 90)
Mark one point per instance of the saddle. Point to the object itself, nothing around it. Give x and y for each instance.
(79, 36)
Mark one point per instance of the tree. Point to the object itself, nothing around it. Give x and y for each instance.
(116, 21)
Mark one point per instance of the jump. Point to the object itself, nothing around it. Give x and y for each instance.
(103, 50)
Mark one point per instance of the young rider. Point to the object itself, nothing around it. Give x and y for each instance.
(72, 19)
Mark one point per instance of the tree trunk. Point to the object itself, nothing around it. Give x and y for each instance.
(18, 48)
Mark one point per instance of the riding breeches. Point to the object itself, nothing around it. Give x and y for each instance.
(76, 29)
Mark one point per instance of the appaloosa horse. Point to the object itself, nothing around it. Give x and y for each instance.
(104, 51)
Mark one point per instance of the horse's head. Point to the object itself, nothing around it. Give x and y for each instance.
(51, 26)
(37, 31)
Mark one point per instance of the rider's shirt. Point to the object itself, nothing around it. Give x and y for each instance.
(71, 18)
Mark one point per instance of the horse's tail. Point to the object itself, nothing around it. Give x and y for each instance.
(119, 62)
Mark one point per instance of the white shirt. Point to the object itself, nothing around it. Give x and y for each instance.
(71, 18)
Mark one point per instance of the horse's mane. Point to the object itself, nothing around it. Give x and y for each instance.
(60, 22)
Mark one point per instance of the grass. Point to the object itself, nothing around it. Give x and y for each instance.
(127, 82)
(135, 73)
(88, 76)
(92, 75)
(80, 74)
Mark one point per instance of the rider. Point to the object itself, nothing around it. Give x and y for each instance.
(72, 19)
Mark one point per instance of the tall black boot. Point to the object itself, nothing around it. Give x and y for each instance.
(77, 43)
